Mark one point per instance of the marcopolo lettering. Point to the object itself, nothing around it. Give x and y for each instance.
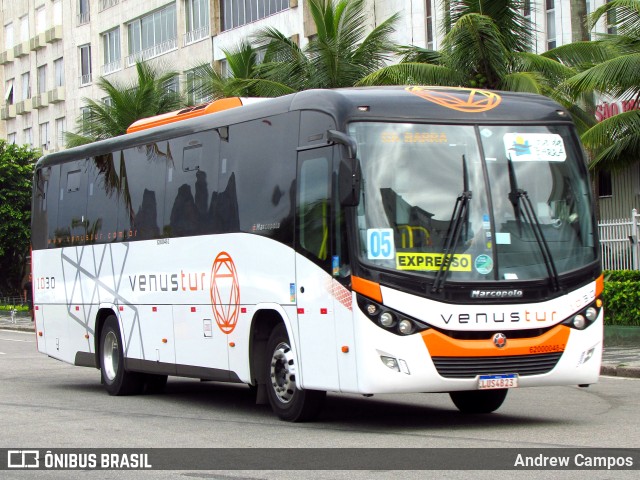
(514, 293)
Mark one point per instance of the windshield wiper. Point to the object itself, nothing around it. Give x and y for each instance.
(521, 202)
(459, 221)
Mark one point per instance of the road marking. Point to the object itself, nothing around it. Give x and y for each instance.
(2, 353)
(14, 340)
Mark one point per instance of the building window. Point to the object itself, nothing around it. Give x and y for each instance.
(11, 139)
(26, 86)
(197, 19)
(612, 29)
(195, 95)
(61, 128)
(173, 85)
(24, 28)
(8, 93)
(241, 12)
(58, 66)
(104, 4)
(551, 24)
(42, 79)
(86, 114)
(429, 31)
(111, 46)
(41, 20)
(152, 35)
(57, 12)
(8, 36)
(44, 135)
(605, 185)
(83, 12)
(85, 64)
(28, 137)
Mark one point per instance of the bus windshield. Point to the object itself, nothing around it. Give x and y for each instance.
(507, 202)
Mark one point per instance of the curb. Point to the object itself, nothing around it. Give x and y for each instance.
(620, 371)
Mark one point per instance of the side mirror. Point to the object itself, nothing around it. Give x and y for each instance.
(350, 177)
(350, 174)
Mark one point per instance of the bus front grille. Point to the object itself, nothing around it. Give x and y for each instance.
(470, 367)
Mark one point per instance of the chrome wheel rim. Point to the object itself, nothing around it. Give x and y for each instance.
(283, 373)
(110, 356)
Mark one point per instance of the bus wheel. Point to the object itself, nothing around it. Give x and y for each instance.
(116, 379)
(478, 401)
(287, 401)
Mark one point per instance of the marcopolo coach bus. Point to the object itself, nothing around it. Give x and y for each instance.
(377, 240)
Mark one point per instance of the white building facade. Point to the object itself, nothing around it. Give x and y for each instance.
(53, 51)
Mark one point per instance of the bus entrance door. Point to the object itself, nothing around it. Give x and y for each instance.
(316, 324)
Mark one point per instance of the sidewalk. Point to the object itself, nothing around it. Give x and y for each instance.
(622, 360)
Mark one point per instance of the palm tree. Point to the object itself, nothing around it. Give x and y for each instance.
(146, 97)
(487, 45)
(338, 56)
(241, 80)
(615, 142)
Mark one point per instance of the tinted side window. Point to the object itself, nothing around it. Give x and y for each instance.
(143, 172)
(192, 182)
(257, 173)
(314, 214)
(102, 203)
(72, 225)
(45, 208)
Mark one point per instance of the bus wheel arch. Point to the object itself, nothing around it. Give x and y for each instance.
(262, 324)
(287, 401)
(115, 377)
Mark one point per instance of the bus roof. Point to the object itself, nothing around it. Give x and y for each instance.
(395, 104)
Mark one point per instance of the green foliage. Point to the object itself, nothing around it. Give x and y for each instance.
(144, 97)
(622, 276)
(621, 297)
(16, 171)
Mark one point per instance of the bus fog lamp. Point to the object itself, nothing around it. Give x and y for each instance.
(390, 362)
(372, 309)
(579, 322)
(591, 314)
(405, 326)
(386, 319)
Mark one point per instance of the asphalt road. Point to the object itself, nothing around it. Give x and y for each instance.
(48, 404)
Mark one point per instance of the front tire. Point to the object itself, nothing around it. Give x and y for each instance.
(115, 378)
(479, 401)
(286, 400)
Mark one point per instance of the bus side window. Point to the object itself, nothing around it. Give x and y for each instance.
(72, 227)
(313, 207)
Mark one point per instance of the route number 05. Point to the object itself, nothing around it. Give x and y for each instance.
(380, 244)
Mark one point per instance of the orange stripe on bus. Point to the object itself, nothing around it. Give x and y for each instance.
(440, 345)
(178, 115)
(599, 285)
(367, 288)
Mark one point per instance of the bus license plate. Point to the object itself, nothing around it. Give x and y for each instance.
(487, 382)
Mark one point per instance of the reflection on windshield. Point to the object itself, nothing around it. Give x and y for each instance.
(414, 174)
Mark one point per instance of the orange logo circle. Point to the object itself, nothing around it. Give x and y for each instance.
(475, 101)
(225, 292)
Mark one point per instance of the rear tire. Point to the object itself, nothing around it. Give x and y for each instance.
(115, 378)
(286, 400)
(479, 401)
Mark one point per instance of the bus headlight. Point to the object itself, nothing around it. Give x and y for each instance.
(579, 322)
(591, 314)
(387, 320)
(391, 320)
(405, 327)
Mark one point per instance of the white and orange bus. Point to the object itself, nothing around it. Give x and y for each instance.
(378, 240)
